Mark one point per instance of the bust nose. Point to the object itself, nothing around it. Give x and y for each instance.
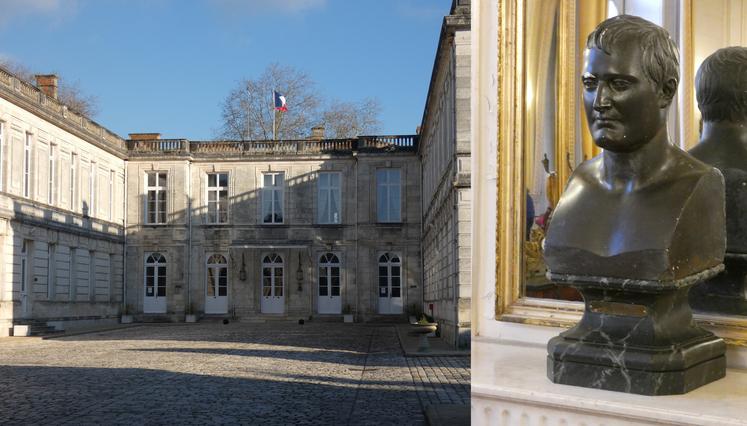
(602, 100)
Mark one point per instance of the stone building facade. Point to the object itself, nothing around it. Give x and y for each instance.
(291, 229)
(93, 226)
(61, 214)
(444, 150)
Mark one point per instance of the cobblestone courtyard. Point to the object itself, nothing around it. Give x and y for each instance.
(247, 373)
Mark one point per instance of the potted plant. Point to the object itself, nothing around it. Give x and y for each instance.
(424, 327)
(126, 317)
(189, 315)
(347, 314)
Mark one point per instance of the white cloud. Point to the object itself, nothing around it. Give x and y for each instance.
(16, 10)
(263, 7)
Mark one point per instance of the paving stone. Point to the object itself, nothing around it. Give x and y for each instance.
(239, 373)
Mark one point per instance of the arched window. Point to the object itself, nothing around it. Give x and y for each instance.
(217, 276)
(272, 275)
(155, 275)
(329, 275)
(390, 275)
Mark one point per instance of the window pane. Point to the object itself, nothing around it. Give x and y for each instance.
(162, 179)
(267, 180)
(266, 272)
(211, 180)
(279, 179)
(335, 291)
(334, 206)
(395, 282)
(335, 183)
(212, 196)
(267, 206)
(151, 179)
(161, 290)
(381, 204)
(223, 181)
(383, 271)
(395, 292)
(324, 206)
(322, 286)
(383, 292)
(323, 180)
(210, 283)
(395, 271)
(395, 204)
(335, 271)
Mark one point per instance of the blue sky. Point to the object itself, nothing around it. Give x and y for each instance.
(166, 65)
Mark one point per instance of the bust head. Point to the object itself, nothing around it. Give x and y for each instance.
(630, 76)
(721, 86)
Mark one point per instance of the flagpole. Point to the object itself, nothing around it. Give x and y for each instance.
(274, 118)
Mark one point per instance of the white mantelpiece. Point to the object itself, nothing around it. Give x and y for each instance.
(510, 387)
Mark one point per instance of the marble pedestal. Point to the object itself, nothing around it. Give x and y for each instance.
(726, 293)
(636, 336)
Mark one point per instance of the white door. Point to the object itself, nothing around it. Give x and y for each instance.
(390, 284)
(216, 286)
(273, 297)
(329, 285)
(24, 281)
(154, 301)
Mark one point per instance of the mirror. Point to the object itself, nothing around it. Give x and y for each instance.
(554, 135)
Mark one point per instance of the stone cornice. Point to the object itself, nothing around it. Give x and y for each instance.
(30, 98)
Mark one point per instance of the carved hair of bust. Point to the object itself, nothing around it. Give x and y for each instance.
(721, 85)
(659, 54)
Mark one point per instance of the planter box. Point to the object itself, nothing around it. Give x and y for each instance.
(347, 318)
(126, 319)
(190, 318)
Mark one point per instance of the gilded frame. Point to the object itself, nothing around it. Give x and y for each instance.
(510, 305)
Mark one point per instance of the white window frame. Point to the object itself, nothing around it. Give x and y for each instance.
(385, 189)
(73, 275)
(2, 154)
(325, 194)
(161, 214)
(27, 165)
(276, 197)
(51, 271)
(74, 181)
(53, 181)
(220, 216)
(92, 189)
(112, 179)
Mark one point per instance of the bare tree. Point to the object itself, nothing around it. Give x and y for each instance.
(248, 110)
(351, 119)
(68, 93)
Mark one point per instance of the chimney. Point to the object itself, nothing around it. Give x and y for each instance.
(144, 136)
(317, 133)
(47, 83)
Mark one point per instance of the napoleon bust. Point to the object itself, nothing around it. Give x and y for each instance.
(643, 209)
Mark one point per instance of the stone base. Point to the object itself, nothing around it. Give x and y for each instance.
(636, 336)
(641, 382)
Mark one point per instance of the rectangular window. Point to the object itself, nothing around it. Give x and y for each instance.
(155, 204)
(329, 197)
(112, 177)
(91, 275)
(73, 181)
(111, 278)
(92, 190)
(73, 275)
(272, 197)
(27, 166)
(2, 152)
(51, 272)
(388, 195)
(217, 197)
(52, 188)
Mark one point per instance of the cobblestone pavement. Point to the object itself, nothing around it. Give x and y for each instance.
(240, 373)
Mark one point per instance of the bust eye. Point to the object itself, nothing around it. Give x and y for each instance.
(619, 84)
(589, 83)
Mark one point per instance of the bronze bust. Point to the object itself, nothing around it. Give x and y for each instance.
(637, 209)
(636, 228)
(721, 91)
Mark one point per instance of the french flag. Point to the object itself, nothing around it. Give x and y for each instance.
(280, 102)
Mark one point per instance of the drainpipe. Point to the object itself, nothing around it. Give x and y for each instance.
(357, 237)
(124, 253)
(189, 237)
